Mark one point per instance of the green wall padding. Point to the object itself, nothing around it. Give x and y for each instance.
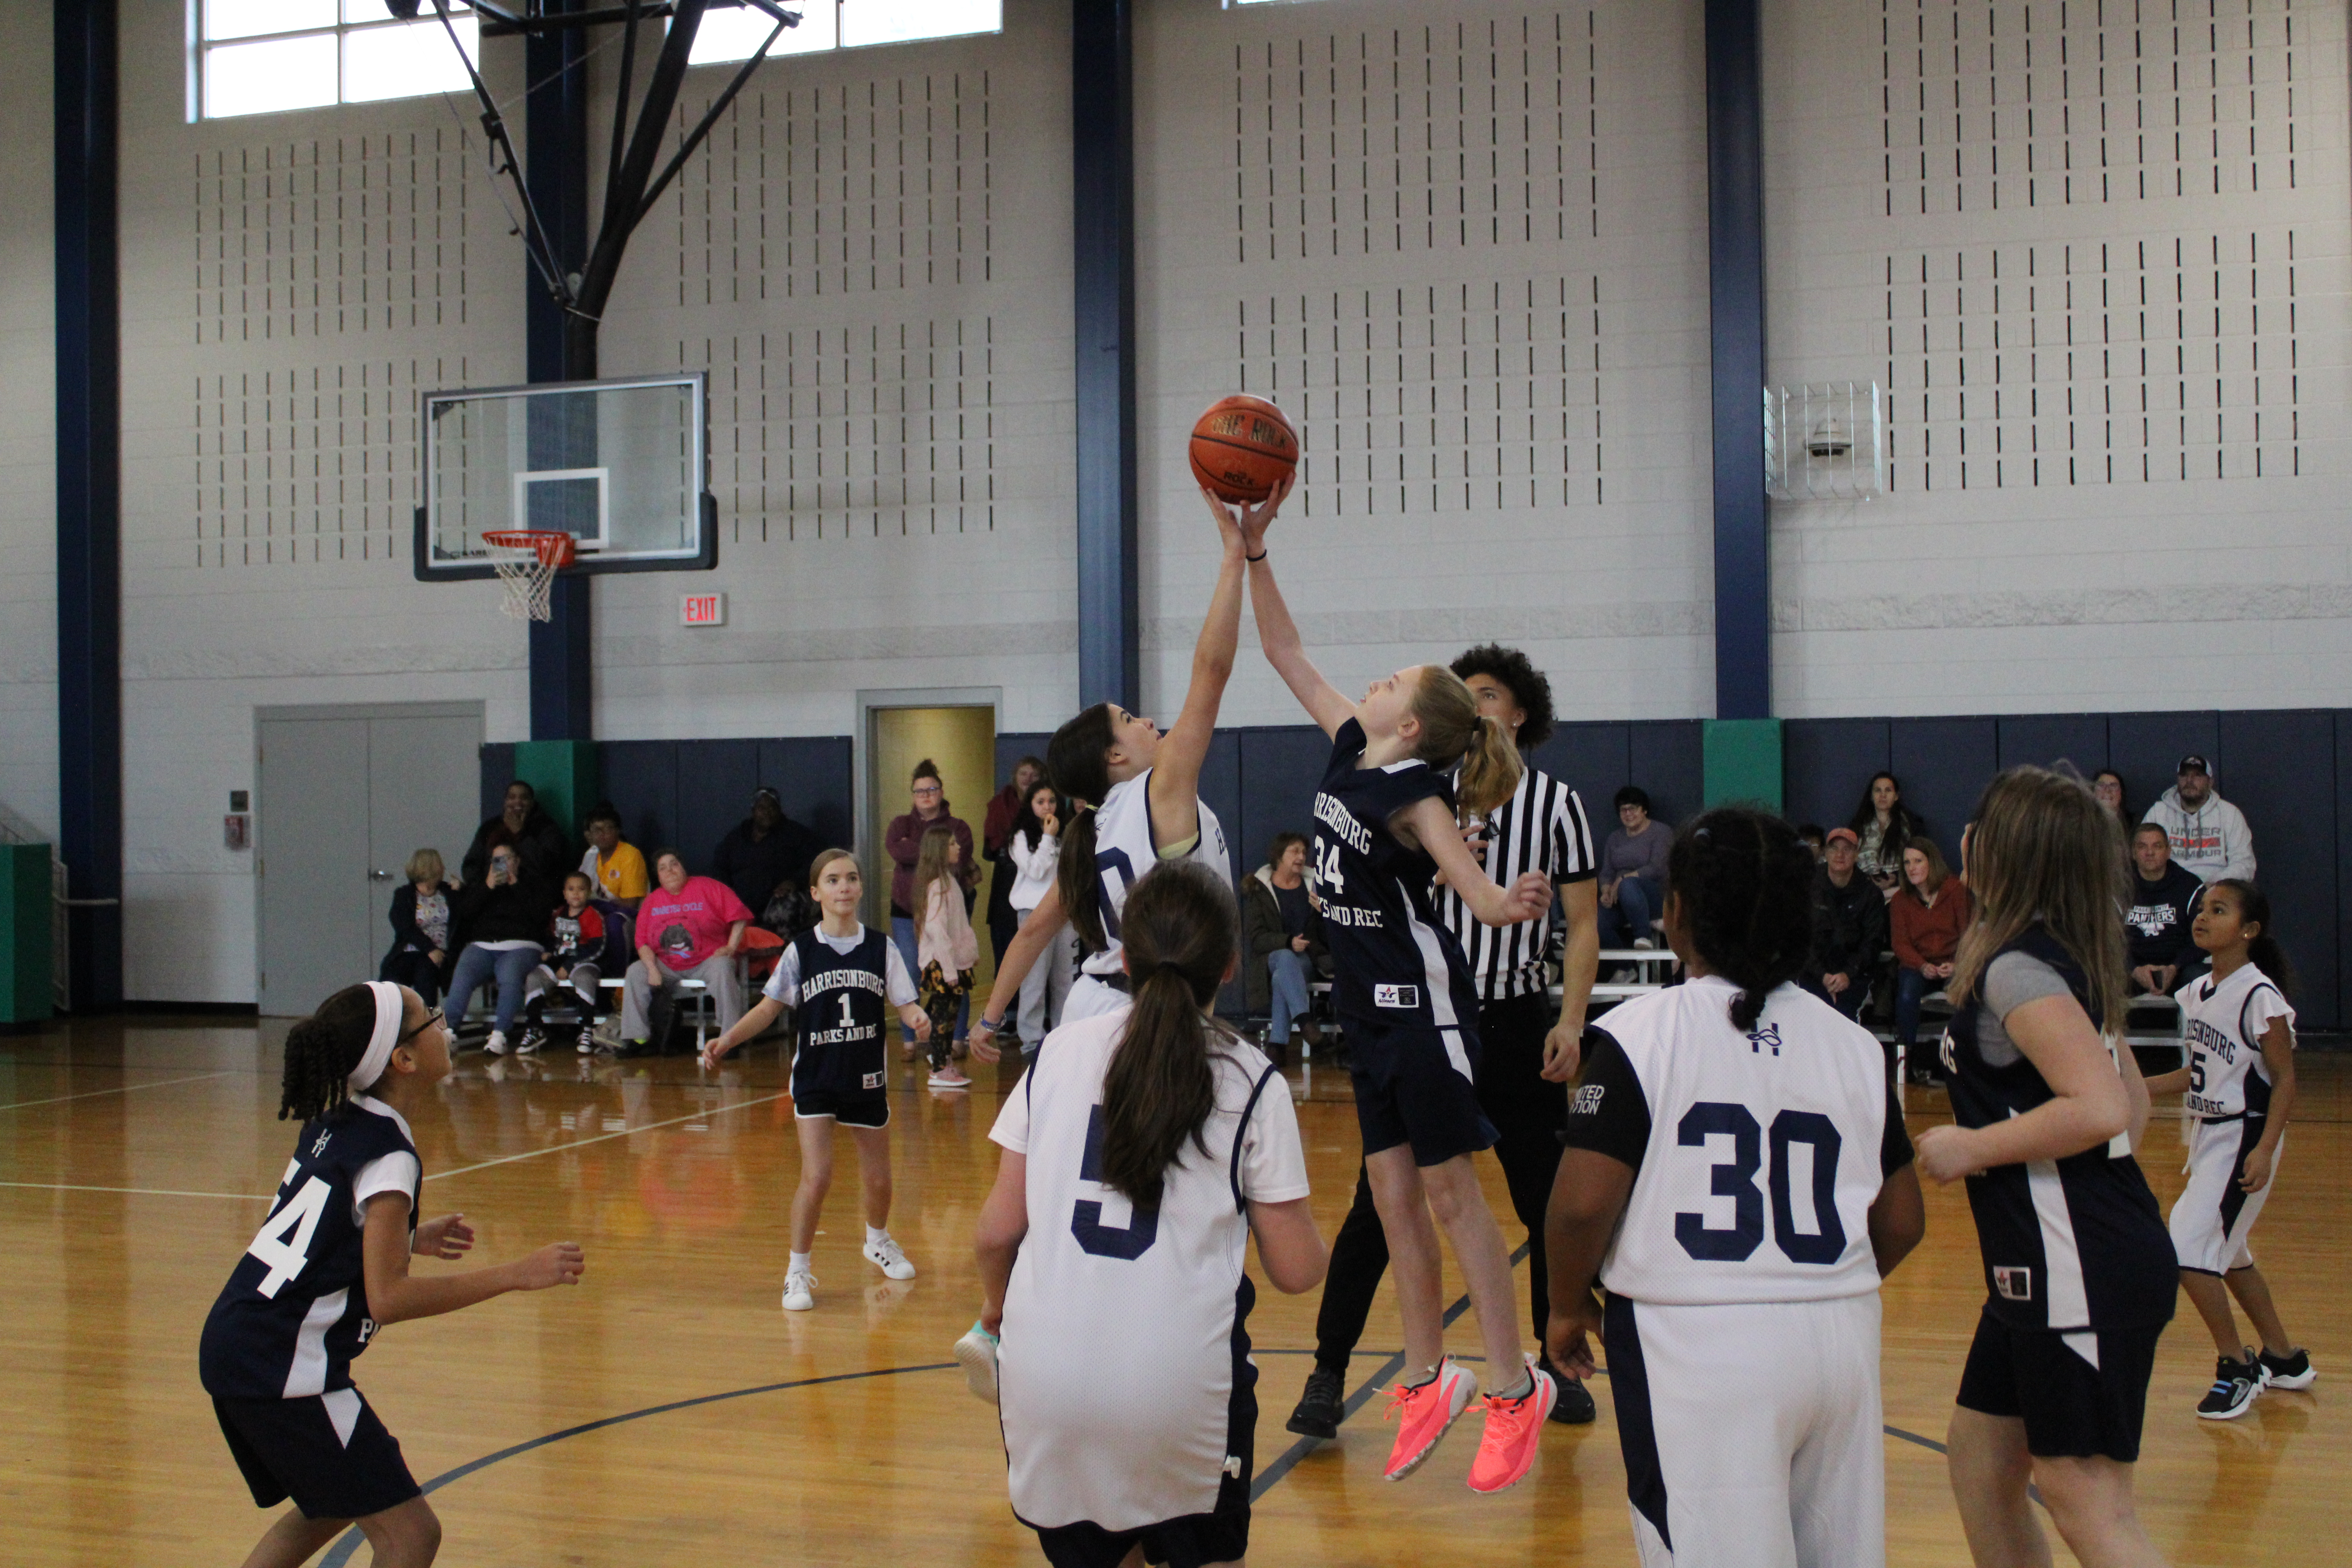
(566, 776)
(1742, 762)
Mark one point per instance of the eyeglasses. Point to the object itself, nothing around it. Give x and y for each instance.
(432, 1016)
(927, 789)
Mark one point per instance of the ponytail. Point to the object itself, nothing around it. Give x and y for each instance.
(322, 1052)
(1454, 730)
(1179, 930)
(1075, 761)
(2255, 908)
(1745, 882)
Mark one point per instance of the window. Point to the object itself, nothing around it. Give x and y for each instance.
(258, 56)
(732, 34)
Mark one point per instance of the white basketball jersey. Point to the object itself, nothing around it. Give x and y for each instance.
(2222, 1024)
(1122, 1328)
(1764, 1151)
(1124, 851)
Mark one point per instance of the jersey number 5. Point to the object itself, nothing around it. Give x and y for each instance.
(1736, 1179)
(1097, 1239)
(284, 1239)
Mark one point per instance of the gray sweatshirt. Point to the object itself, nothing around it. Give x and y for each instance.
(2212, 840)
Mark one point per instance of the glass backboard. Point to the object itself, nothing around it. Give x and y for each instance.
(619, 465)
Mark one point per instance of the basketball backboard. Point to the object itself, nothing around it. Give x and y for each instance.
(620, 465)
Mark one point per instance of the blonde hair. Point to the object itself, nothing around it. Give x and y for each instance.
(827, 857)
(424, 866)
(1452, 730)
(2042, 851)
(931, 866)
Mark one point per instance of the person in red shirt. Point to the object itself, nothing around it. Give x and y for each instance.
(1928, 912)
(688, 927)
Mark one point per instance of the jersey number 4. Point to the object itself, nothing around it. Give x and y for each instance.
(284, 1239)
(1129, 1241)
(1736, 1179)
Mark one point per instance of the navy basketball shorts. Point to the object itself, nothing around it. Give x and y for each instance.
(1416, 1084)
(328, 1452)
(2080, 1394)
(860, 1109)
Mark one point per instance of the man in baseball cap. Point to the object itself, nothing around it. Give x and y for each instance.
(2208, 835)
(1849, 926)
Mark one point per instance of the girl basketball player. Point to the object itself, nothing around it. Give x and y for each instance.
(1134, 802)
(2078, 1269)
(837, 978)
(330, 1268)
(2238, 1088)
(1743, 1336)
(1140, 1153)
(1385, 828)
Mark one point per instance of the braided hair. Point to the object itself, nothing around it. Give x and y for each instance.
(322, 1050)
(1745, 882)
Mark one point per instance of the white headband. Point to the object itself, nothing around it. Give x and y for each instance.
(390, 1007)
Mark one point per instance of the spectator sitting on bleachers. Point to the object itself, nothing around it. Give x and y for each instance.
(578, 952)
(1283, 935)
(688, 927)
(1812, 836)
(614, 866)
(1929, 913)
(2107, 789)
(499, 923)
(2209, 836)
(765, 854)
(1849, 927)
(419, 958)
(1882, 825)
(544, 849)
(2164, 904)
(1634, 872)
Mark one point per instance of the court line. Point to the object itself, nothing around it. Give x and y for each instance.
(118, 1088)
(141, 1192)
(605, 1137)
(349, 1542)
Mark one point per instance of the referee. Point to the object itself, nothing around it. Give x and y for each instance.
(1525, 1054)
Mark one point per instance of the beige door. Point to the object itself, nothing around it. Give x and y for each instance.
(962, 744)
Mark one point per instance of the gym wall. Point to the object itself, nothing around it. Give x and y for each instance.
(1465, 246)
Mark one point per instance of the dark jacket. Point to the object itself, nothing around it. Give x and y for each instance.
(903, 841)
(753, 869)
(516, 912)
(407, 936)
(1262, 932)
(2156, 924)
(1848, 927)
(547, 853)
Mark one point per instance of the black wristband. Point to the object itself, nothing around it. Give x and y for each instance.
(1259, 556)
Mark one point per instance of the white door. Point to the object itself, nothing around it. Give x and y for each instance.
(342, 797)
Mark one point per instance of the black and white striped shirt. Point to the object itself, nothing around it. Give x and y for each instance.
(1541, 828)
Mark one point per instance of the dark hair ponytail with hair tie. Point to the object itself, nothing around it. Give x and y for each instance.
(1746, 883)
(321, 1053)
(1178, 930)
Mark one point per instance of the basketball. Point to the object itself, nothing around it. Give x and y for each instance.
(1243, 447)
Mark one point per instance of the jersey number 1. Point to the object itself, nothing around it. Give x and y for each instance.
(1097, 1239)
(1736, 1179)
(284, 1240)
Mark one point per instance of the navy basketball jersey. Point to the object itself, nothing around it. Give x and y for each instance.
(1396, 961)
(2071, 1244)
(844, 1001)
(294, 1315)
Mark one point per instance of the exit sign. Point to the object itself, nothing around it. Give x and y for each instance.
(702, 610)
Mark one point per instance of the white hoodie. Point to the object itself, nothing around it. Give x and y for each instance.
(2211, 841)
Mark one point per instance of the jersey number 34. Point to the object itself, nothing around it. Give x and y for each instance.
(1736, 1179)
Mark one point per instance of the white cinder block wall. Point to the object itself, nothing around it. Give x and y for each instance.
(1465, 246)
(2096, 254)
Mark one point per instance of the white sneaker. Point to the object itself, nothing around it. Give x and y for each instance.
(885, 1256)
(800, 1291)
(497, 1044)
(977, 1353)
(948, 1078)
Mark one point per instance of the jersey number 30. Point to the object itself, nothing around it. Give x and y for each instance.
(1736, 1179)
(284, 1241)
(1129, 1241)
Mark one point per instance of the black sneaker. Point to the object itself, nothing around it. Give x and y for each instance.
(587, 1039)
(1574, 1407)
(2288, 1372)
(1319, 1413)
(533, 1037)
(2236, 1384)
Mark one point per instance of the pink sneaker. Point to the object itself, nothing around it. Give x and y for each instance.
(949, 1077)
(1513, 1429)
(1423, 1412)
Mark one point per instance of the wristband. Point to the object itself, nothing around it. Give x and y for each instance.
(1259, 556)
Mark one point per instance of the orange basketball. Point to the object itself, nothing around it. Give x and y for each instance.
(1243, 447)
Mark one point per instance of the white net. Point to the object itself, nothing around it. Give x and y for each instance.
(527, 573)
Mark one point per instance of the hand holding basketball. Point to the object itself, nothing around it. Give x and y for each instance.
(1243, 449)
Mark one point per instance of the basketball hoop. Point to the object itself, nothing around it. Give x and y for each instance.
(527, 559)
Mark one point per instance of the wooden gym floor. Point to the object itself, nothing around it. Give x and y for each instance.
(668, 1412)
